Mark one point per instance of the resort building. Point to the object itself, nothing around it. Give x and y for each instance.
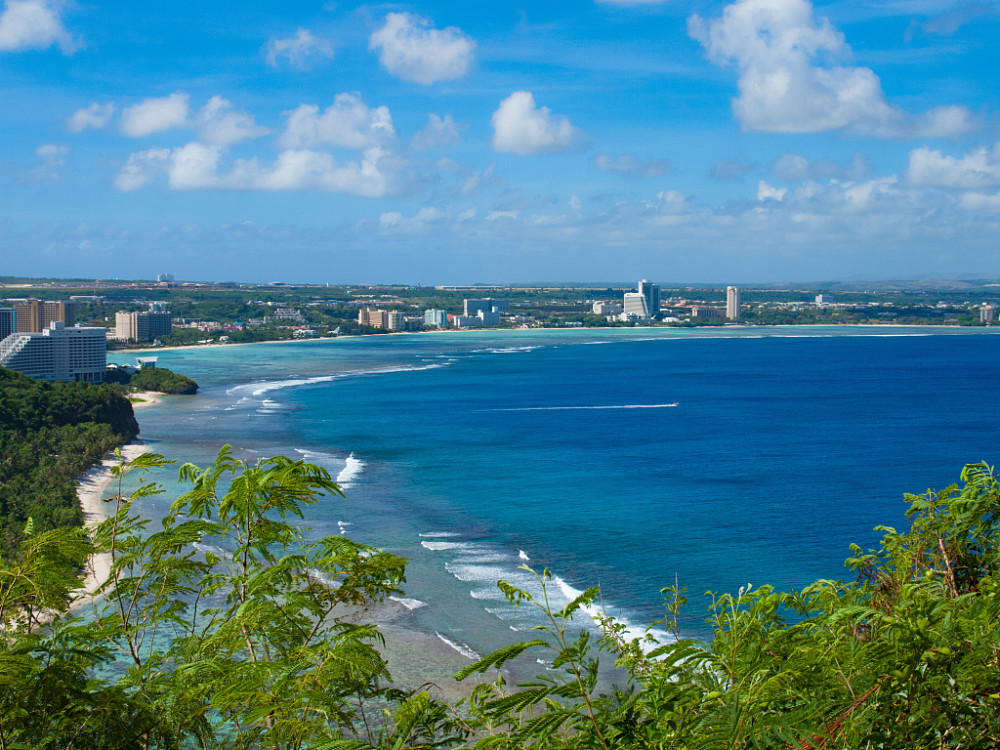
(636, 306)
(733, 302)
(57, 353)
(395, 321)
(651, 293)
(706, 312)
(466, 321)
(374, 318)
(473, 306)
(8, 322)
(987, 313)
(34, 315)
(436, 318)
(141, 326)
(606, 308)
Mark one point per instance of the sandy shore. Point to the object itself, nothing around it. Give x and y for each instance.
(91, 491)
(143, 399)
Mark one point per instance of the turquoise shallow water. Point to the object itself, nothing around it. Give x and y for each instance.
(618, 457)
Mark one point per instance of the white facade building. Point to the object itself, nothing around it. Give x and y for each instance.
(733, 302)
(438, 318)
(58, 353)
(636, 306)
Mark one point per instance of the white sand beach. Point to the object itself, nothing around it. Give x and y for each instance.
(142, 399)
(90, 491)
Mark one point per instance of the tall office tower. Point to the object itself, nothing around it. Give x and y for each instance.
(57, 353)
(733, 302)
(652, 294)
(8, 322)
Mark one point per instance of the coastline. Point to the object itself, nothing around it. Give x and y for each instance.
(90, 492)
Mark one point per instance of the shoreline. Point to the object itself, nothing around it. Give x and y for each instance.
(90, 491)
(147, 350)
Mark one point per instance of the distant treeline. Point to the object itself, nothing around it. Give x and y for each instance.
(158, 379)
(50, 434)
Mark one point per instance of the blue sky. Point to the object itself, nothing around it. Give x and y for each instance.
(447, 142)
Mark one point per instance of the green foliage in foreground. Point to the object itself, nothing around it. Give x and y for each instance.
(256, 649)
(50, 434)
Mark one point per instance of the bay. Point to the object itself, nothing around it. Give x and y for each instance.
(621, 457)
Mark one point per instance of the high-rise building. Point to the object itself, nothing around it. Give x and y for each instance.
(437, 318)
(473, 306)
(636, 305)
(987, 313)
(141, 326)
(34, 316)
(57, 353)
(374, 318)
(733, 302)
(395, 320)
(652, 294)
(8, 322)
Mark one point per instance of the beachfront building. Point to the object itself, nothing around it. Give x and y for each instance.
(34, 315)
(706, 312)
(374, 318)
(395, 320)
(436, 318)
(489, 304)
(489, 318)
(8, 322)
(733, 302)
(607, 308)
(636, 306)
(141, 326)
(987, 313)
(57, 353)
(651, 293)
(466, 321)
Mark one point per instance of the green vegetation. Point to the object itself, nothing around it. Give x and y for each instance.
(264, 651)
(162, 380)
(50, 434)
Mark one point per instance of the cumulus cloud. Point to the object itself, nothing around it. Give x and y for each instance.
(95, 116)
(411, 49)
(628, 165)
(795, 167)
(197, 166)
(437, 132)
(347, 123)
(519, 127)
(155, 115)
(221, 125)
(733, 169)
(304, 50)
(33, 24)
(395, 222)
(767, 192)
(977, 169)
(792, 78)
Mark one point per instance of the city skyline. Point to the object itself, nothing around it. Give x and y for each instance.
(756, 140)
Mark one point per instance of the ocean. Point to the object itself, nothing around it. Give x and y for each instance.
(625, 458)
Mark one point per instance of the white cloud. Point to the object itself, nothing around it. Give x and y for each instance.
(437, 132)
(977, 169)
(795, 167)
(304, 50)
(33, 24)
(410, 49)
(221, 125)
(141, 168)
(347, 123)
(197, 166)
(767, 192)
(792, 78)
(519, 127)
(628, 165)
(394, 221)
(155, 115)
(95, 116)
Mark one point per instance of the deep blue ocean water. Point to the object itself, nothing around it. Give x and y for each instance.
(622, 458)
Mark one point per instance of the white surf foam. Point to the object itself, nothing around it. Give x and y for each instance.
(461, 648)
(352, 470)
(587, 408)
(410, 604)
(438, 534)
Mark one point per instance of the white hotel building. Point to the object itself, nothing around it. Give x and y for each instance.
(58, 353)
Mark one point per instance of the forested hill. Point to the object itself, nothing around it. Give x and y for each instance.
(50, 434)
